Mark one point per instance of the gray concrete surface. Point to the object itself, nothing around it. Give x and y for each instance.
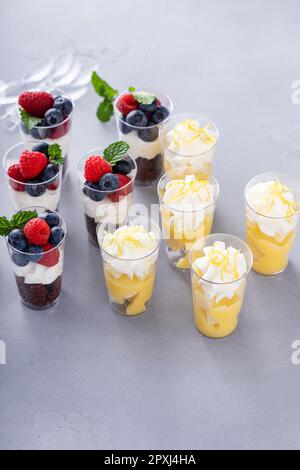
(82, 377)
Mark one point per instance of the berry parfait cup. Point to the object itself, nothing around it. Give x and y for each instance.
(35, 240)
(34, 176)
(139, 115)
(106, 179)
(46, 116)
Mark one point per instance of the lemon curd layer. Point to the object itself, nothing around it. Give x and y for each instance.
(271, 225)
(133, 293)
(218, 296)
(185, 214)
(130, 267)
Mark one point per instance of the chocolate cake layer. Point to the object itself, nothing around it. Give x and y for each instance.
(39, 295)
(91, 227)
(148, 170)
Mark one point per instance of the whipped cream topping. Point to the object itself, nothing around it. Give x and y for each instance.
(35, 273)
(221, 265)
(276, 202)
(49, 199)
(140, 148)
(187, 197)
(126, 245)
(187, 138)
(114, 212)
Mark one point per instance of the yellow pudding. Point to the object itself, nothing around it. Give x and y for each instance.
(215, 319)
(129, 258)
(133, 293)
(270, 256)
(271, 220)
(202, 163)
(187, 212)
(218, 284)
(178, 239)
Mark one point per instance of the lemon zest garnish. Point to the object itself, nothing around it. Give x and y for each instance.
(191, 126)
(222, 260)
(186, 187)
(277, 191)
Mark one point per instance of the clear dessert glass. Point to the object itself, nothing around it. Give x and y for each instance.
(217, 305)
(182, 228)
(144, 143)
(41, 193)
(104, 205)
(271, 238)
(57, 134)
(193, 154)
(130, 282)
(39, 285)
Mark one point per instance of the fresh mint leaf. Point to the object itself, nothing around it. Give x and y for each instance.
(105, 110)
(144, 97)
(5, 227)
(21, 218)
(55, 154)
(114, 152)
(28, 120)
(102, 88)
(18, 220)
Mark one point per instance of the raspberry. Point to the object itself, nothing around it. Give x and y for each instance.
(127, 103)
(123, 191)
(95, 167)
(36, 103)
(37, 231)
(32, 163)
(14, 172)
(49, 259)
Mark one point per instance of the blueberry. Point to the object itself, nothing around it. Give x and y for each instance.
(149, 108)
(160, 114)
(53, 117)
(50, 217)
(64, 105)
(56, 235)
(40, 132)
(92, 191)
(35, 190)
(35, 253)
(42, 148)
(109, 182)
(123, 126)
(137, 118)
(148, 135)
(49, 172)
(19, 259)
(17, 240)
(123, 167)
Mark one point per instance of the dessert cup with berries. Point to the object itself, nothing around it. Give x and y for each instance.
(188, 139)
(139, 115)
(106, 178)
(129, 254)
(34, 176)
(35, 240)
(46, 116)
